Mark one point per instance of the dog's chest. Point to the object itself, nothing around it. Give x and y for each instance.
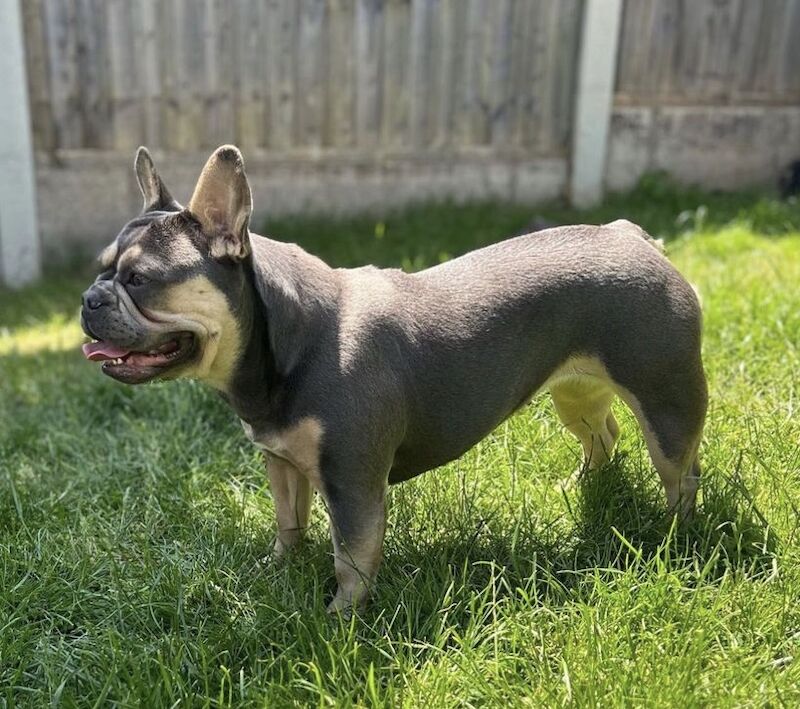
(299, 444)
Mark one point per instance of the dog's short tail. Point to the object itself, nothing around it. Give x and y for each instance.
(657, 244)
(625, 225)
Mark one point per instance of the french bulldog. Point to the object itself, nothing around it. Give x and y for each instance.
(351, 380)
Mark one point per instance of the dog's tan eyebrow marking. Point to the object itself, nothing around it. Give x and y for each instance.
(108, 255)
(183, 251)
(177, 251)
(130, 255)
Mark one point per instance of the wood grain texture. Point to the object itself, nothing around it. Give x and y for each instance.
(363, 76)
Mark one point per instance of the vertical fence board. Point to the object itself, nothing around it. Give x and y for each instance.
(420, 61)
(446, 39)
(530, 71)
(395, 109)
(282, 40)
(147, 51)
(169, 49)
(220, 75)
(474, 110)
(340, 76)
(789, 75)
(36, 59)
(500, 98)
(537, 99)
(190, 73)
(250, 101)
(567, 41)
(483, 114)
(127, 116)
(310, 57)
(369, 36)
(93, 77)
(62, 42)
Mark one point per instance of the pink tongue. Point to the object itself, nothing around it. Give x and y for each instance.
(99, 351)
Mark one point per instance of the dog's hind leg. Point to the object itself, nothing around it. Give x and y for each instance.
(674, 454)
(671, 417)
(583, 403)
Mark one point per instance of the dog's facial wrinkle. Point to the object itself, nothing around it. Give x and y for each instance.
(198, 306)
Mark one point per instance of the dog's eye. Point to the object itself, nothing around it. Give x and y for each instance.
(136, 279)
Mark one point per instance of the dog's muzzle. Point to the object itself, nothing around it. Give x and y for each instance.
(127, 347)
(104, 316)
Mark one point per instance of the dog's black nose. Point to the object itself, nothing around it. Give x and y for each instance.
(90, 301)
(96, 297)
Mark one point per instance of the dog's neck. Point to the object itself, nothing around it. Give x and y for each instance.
(289, 299)
(254, 379)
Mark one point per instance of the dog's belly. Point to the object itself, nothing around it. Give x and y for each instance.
(411, 462)
(441, 434)
(419, 456)
(421, 453)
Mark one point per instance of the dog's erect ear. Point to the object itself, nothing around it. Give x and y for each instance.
(156, 195)
(222, 204)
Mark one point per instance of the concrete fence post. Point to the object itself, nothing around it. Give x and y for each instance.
(594, 100)
(20, 255)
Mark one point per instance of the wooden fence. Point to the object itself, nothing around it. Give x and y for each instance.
(706, 90)
(712, 52)
(300, 75)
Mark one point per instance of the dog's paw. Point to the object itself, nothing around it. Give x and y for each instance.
(345, 604)
(341, 607)
(279, 552)
(571, 481)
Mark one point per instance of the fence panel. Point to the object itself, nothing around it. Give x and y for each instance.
(299, 76)
(706, 52)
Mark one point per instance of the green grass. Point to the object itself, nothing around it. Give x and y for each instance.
(133, 521)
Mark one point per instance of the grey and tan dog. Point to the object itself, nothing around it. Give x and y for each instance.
(352, 379)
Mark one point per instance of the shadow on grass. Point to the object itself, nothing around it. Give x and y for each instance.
(619, 525)
(726, 533)
(174, 450)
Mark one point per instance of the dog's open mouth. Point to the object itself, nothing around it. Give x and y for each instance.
(133, 366)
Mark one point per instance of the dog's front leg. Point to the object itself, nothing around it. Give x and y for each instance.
(292, 493)
(358, 523)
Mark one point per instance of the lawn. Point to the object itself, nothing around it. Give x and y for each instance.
(134, 522)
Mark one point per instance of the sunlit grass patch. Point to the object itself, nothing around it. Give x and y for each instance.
(58, 333)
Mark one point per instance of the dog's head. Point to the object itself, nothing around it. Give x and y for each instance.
(166, 303)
